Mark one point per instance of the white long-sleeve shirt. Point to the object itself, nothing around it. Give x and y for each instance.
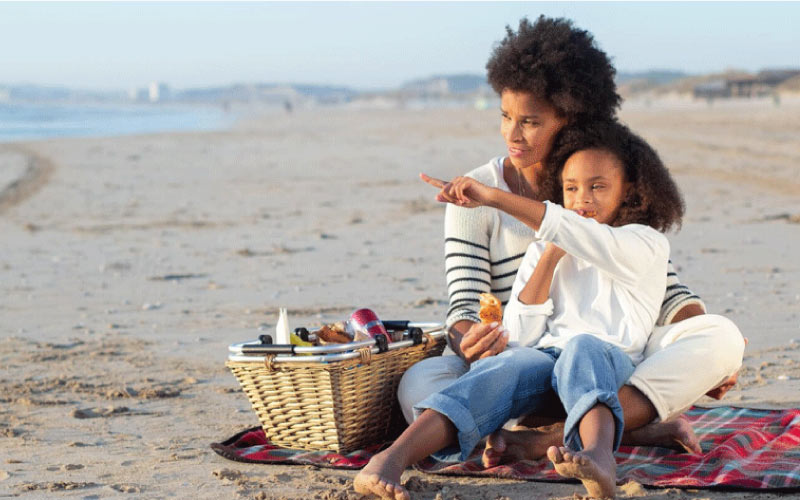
(484, 248)
(610, 284)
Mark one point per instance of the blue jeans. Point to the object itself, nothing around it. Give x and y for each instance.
(523, 380)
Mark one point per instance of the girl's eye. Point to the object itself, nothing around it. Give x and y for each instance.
(570, 188)
(597, 186)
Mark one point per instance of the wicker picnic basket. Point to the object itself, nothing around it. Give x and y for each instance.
(339, 398)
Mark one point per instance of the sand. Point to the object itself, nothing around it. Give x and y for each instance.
(129, 264)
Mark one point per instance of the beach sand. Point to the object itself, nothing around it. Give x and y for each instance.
(129, 265)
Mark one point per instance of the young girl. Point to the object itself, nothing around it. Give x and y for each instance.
(583, 304)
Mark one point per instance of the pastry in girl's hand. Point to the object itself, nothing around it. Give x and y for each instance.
(491, 309)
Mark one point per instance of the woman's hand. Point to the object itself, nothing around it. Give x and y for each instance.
(479, 340)
(482, 341)
(461, 191)
(720, 391)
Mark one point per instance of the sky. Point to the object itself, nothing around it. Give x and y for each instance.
(363, 45)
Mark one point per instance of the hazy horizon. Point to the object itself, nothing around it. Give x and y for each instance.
(364, 45)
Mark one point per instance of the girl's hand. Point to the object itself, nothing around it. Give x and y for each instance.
(461, 191)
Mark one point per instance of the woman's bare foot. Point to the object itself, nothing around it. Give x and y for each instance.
(504, 446)
(381, 477)
(667, 434)
(596, 469)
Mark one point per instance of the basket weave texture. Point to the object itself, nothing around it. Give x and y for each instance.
(339, 406)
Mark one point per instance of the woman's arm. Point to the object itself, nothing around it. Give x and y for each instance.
(468, 274)
(679, 302)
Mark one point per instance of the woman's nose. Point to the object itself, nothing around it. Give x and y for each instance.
(512, 132)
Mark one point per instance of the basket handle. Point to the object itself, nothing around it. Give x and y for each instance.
(269, 362)
(366, 355)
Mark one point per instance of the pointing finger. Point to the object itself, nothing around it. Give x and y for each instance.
(432, 181)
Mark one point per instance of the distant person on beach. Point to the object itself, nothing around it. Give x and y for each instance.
(550, 74)
(582, 306)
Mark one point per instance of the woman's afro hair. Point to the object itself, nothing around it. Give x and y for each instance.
(654, 198)
(555, 61)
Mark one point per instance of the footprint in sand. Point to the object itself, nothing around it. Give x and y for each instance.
(101, 412)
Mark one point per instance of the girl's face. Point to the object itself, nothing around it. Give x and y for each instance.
(529, 126)
(594, 184)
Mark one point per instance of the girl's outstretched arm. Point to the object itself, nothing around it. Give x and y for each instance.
(467, 192)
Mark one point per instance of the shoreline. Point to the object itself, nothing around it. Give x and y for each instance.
(30, 122)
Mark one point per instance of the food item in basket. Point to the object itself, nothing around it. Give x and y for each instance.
(295, 339)
(491, 309)
(327, 334)
(364, 322)
(341, 327)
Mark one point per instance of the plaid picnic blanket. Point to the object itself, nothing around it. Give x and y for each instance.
(743, 448)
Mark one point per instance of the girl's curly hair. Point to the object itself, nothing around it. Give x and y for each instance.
(558, 62)
(654, 199)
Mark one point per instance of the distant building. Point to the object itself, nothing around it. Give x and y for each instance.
(747, 86)
(447, 86)
(158, 92)
(762, 84)
(712, 90)
(775, 77)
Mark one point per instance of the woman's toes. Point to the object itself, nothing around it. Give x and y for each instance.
(554, 454)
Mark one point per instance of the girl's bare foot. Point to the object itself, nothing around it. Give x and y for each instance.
(504, 446)
(596, 469)
(381, 477)
(667, 434)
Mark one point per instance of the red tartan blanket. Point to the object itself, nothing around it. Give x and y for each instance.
(743, 448)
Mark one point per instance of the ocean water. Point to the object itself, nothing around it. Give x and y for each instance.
(23, 122)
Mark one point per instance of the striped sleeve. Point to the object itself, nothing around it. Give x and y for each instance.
(467, 261)
(676, 297)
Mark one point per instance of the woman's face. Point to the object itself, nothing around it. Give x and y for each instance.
(529, 126)
(594, 184)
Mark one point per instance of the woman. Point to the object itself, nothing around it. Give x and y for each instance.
(550, 74)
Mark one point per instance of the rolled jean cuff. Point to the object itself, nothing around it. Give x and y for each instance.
(468, 434)
(581, 407)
